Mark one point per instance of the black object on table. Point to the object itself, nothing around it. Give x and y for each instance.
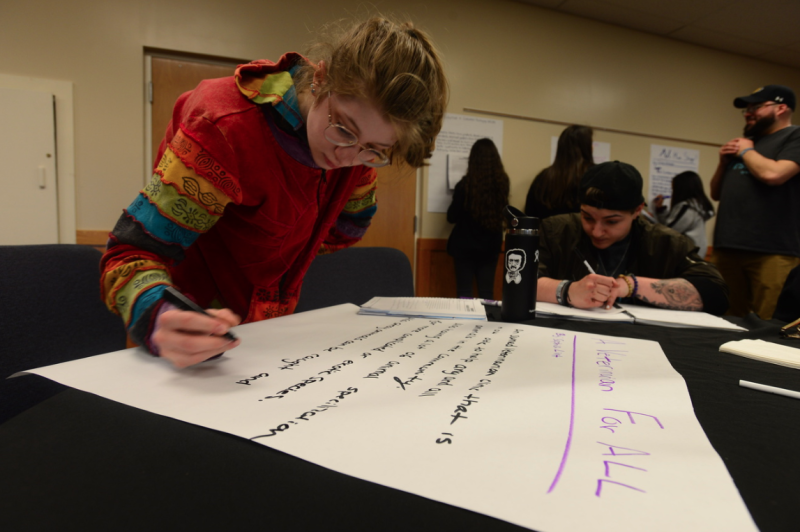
(81, 462)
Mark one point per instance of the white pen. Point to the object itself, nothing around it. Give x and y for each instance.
(769, 389)
(591, 270)
(585, 262)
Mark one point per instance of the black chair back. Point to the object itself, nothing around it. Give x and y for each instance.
(50, 312)
(356, 275)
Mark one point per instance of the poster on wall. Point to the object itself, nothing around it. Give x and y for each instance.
(665, 163)
(601, 151)
(449, 161)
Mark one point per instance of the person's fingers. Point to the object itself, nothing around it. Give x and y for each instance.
(227, 315)
(190, 322)
(602, 280)
(183, 360)
(186, 338)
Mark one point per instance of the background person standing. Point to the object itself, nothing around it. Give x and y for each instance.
(757, 235)
(477, 211)
(555, 189)
(690, 210)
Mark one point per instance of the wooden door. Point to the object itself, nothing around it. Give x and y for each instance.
(29, 202)
(173, 77)
(393, 225)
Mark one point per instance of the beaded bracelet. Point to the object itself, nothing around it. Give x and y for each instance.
(635, 284)
(627, 282)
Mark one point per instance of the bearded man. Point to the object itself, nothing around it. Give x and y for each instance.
(757, 235)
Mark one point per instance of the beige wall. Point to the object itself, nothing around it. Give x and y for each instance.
(501, 56)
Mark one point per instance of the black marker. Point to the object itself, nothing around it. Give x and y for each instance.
(184, 303)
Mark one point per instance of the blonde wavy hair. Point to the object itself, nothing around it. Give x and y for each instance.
(395, 66)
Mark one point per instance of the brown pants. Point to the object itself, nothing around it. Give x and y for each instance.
(755, 279)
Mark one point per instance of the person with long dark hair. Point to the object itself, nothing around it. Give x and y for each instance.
(555, 189)
(477, 211)
(690, 210)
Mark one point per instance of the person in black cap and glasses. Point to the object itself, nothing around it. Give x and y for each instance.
(757, 235)
(607, 252)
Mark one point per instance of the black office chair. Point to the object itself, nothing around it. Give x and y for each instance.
(788, 306)
(50, 312)
(356, 275)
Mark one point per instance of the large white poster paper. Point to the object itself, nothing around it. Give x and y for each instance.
(448, 162)
(665, 163)
(545, 428)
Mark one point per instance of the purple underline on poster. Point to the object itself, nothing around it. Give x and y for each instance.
(571, 420)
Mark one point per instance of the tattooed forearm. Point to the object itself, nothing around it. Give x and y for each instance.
(677, 294)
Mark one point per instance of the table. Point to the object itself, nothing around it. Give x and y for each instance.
(78, 461)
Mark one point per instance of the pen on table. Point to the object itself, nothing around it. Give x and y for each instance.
(769, 389)
(184, 303)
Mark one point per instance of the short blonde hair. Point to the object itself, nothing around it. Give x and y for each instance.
(397, 67)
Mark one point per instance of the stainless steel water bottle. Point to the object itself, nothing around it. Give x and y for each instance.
(521, 266)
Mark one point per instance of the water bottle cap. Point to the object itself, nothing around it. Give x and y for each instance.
(517, 220)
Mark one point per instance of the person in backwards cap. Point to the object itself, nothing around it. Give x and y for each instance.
(631, 259)
(757, 235)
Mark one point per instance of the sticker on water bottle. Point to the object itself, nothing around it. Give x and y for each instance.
(515, 263)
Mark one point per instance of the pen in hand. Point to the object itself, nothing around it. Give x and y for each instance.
(184, 303)
(591, 270)
(585, 262)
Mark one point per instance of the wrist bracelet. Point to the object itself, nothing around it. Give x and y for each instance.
(560, 292)
(627, 282)
(635, 284)
(744, 151)
(565, 294)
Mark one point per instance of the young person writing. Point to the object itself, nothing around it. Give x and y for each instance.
(634, 260)
(259, 172)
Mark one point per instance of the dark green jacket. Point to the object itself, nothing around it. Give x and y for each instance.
(656, 251)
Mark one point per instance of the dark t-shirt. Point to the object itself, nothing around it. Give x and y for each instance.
(754, 216)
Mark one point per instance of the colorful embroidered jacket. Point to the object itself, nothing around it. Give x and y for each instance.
(236, 209)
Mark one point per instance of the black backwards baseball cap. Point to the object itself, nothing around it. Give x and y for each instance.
(767, 93)
(618, 187)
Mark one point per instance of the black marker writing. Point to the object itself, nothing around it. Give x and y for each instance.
(305, 415)
(251, 379)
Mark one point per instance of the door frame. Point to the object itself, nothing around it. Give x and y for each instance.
(65, 146)
(149, 53)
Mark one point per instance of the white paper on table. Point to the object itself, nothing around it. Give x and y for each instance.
(549, 429)
(678, 318)
(425, 307)
(764, 351)
(615, 314)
